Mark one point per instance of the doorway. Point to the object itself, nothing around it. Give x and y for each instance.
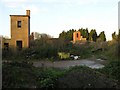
(19, 45)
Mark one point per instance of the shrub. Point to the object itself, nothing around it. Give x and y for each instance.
(112, 70)
(84, 77)
(46, 77)
(23, 75)
(18, 75)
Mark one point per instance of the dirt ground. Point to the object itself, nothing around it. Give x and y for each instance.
(98, 63)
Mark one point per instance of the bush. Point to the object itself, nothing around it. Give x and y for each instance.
(18, 75)
(24, 75)
(112, 70)
(46, 77)
(83, 50)
(84, 77)
(7, 53)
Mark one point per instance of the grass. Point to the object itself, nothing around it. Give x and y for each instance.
(23, 75)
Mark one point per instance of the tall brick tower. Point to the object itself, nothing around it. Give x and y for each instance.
(20, 30)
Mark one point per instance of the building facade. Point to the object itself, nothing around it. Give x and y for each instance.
(20, 31)
(78, 37)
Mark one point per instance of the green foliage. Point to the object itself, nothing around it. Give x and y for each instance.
(84, 77)
(23, 75)
(93, 35)
(84, 33)
(47, 77)
(67, 36)
(39, 49)
(7, 53)
(17, 75)
(45, 52)
(102, 36)
(112, 70)
(110, 50)
(83, 50)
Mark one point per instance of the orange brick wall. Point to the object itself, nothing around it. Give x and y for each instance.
(76, 36)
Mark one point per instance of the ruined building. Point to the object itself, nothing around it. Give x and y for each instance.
(20, 31)
(78, 37)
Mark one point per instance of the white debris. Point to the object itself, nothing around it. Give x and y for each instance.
(75, 57)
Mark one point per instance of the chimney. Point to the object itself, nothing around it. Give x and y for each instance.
(28, 12)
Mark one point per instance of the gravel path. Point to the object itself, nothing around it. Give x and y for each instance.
(66, 64)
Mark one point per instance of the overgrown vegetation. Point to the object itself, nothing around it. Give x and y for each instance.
(84, 77)
(49, 50)
(112, 70)
(46, 47)
(23, 75)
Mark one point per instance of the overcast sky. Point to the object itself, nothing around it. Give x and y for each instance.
(54, 16)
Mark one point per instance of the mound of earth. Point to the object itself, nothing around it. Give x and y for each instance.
(85, 78)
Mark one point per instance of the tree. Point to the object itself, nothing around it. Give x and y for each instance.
(62, 35)
(81, 31)
(84, 33)
(67, 36)
(114, 36)
(102, 36)
(70, 34)
(93, 35)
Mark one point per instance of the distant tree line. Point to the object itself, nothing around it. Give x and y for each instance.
(90, 36)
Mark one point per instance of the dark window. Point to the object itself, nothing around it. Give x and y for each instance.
(19, 45)
(19, 24)
(77, 35)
